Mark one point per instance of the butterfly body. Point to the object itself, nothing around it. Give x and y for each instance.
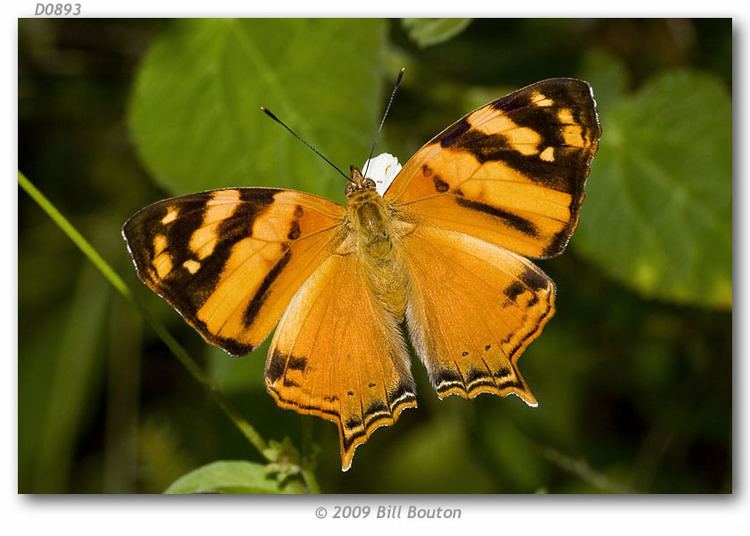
(376, 235)
(443, 252)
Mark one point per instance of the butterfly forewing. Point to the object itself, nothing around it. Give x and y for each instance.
(511, 172)
(230, 260)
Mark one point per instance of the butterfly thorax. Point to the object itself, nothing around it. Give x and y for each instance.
(369, 217)
(370, 222)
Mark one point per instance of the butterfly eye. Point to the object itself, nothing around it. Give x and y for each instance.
(370, 184)
(350, 189)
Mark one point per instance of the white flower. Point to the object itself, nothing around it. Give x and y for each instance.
(382, 169)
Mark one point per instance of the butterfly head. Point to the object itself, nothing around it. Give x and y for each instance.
(358, 183)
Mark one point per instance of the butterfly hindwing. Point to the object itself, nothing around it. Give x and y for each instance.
(473, 309)
(229, 261)
(512, 172)
(339, 355)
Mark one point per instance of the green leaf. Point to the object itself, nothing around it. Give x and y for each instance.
(608, 75)
(658, 210)
(231, 477)
(428, 32)
(195, 108)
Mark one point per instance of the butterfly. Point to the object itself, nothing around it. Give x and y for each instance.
(440, 260)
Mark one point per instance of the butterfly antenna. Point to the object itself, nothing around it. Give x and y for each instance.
(382, 121)
(270, 114)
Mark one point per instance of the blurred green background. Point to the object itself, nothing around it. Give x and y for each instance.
(633, 374)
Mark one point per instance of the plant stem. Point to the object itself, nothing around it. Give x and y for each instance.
(161, 331)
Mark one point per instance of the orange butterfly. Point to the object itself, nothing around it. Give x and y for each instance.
(440, 258)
